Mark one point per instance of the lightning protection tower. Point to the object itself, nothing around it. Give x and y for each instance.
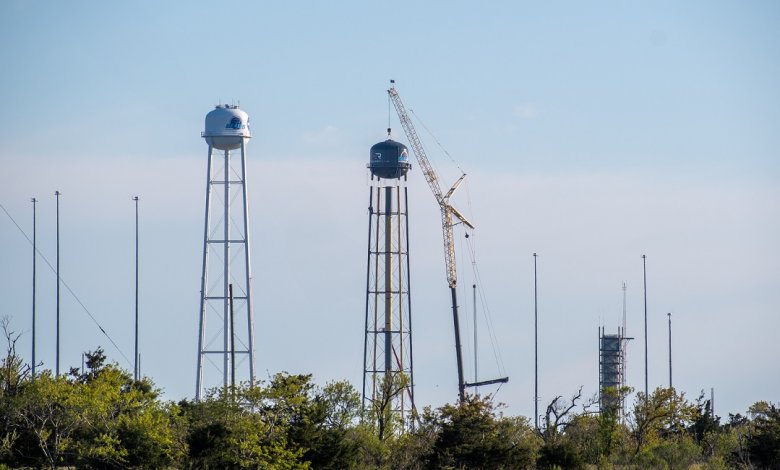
(388, 380)
(225, 293)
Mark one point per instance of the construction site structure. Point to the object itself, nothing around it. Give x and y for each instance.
(612, 370)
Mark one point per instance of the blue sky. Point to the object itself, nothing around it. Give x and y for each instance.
(591, 132)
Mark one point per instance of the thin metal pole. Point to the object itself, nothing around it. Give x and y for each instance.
(203, 280)
(712, 401)
(34, 201)
(644, 282)
(624, 309)
(57, 358)
(226, 272)
(388, 280)
(232, 343)
(401, 356)
(136, 372)
(474, 287)
(623, 352)
(409, 295)
(536, 352)
(368, 292)
(248, 264)
(670, 349)
(375, 384)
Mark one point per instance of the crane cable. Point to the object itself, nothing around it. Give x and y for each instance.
(437, 141)
(67, 287)
(482, 295)
(486, 310)
(472, 256)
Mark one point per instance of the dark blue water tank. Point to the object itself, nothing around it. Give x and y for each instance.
(389, 160)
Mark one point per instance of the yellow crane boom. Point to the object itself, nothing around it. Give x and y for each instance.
(447, 211)
(447, 214)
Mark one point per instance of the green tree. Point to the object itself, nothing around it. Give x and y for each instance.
(318, 420)
(705, 428)
(50, 410)
(13, 373)
(472, 435)
(664, 414)
(323, 427)
(611, 433)
(100, 418)
(763, 444)
(381, 413)
(239, 428)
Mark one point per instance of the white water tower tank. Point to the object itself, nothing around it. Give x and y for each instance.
(226, 127)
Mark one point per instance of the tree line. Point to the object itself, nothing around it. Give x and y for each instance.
(100, 418)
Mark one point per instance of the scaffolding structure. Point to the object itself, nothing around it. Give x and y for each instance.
(612, 370)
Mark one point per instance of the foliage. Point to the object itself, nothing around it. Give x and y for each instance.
(100, 418)
(664, 413)
(472, 435)
(381, 411)
(763, 444)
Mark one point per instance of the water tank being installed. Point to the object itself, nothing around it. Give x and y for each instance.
(226, 127)
(389, 160)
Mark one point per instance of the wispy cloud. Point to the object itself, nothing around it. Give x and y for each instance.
(525, 111)
(328, 134)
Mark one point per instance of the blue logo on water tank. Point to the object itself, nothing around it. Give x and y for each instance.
(235, 123)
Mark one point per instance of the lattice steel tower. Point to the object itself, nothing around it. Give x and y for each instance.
(226, 332)
(388, 379)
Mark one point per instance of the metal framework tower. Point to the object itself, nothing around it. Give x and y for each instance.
(612, 370)
(226, 276)
(388, 378)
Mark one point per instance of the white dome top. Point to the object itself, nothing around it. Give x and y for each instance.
(226, 127)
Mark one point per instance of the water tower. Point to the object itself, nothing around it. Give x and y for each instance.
(226, 333)
(388, 380)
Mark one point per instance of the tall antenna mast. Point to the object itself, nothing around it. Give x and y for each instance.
(136, 371)
(34, 201)
(623, 345)
(624, 309)
(670, 349)
(57, 357)
(644, 282)
(536, 353)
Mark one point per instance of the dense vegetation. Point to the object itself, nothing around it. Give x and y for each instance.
(100, 418)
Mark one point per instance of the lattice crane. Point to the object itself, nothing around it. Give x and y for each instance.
(447, 213)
